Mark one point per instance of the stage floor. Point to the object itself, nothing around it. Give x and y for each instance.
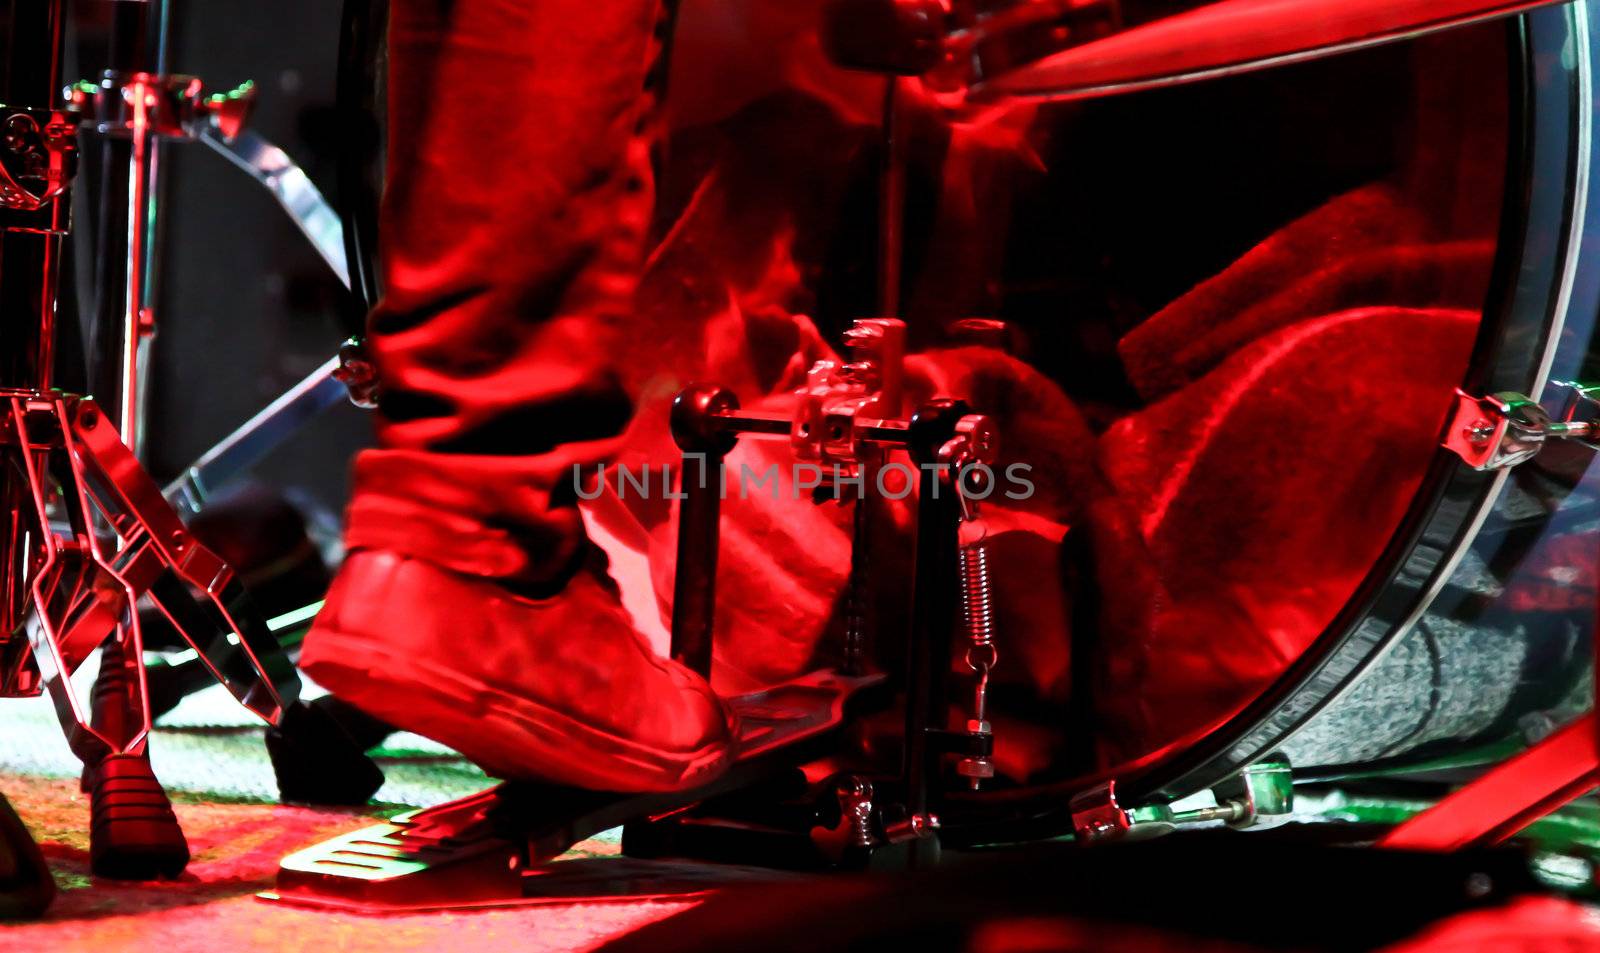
(212, 760)
(210, 756)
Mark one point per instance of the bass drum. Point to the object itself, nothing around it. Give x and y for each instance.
(1088, 257)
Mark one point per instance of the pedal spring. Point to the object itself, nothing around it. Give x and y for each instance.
(860, 808)
(977, 609)
(977, 605)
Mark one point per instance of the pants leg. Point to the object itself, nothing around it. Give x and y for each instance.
(519, 193)
(518, 198)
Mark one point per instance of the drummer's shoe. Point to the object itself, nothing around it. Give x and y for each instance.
(560, 689)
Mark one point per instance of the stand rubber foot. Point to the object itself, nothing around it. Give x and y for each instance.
(133, 834)
(26, 887)
(317, 761)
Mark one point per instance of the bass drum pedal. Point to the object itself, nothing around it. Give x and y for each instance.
(495, 847)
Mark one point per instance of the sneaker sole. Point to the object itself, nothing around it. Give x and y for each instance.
(479, 720)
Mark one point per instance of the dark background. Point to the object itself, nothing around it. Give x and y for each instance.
(246, 306)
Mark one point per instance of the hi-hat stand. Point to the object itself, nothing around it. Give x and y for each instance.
(88, 534)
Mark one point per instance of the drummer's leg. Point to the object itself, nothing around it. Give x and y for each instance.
(519, 189)
(519, 194)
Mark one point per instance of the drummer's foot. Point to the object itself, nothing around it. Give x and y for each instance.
(560, 689)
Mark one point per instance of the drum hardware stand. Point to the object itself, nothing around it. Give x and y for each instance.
(73, 596)
(68, 474)
(318, 751)
(1259, 797)
(836, 424)
(1500, 432)
(313, 753)
(349, 375)
(147, 108)
(272, 168)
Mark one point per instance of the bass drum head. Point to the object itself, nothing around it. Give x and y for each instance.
(1472, 634)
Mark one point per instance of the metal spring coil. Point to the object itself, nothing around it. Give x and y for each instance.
(977, 606)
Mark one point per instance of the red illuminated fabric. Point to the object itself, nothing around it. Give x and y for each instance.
(519, 193)
(1370, 246)
(1296, 399)
(1528, 925)
(470, 609)
(1296, 406)
(1247, 507)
